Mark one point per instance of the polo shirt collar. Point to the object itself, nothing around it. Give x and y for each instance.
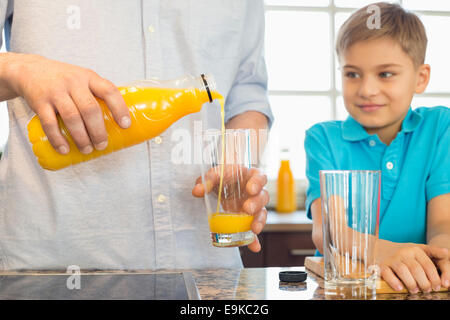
(411, 121)
(353, 131)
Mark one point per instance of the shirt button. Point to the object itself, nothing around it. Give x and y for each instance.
(389, 165)
(372, 143)
(161, 198)
(151, 29)
(158, 140)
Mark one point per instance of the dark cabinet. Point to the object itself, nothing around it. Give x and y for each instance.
(280, 249)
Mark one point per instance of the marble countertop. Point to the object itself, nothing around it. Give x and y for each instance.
(264, 284)
(259, 284)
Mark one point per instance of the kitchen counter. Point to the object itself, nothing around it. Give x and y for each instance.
(264, 284)
(255, 284)
(287, 222)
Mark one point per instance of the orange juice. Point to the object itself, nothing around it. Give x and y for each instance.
(152, 110)
(229, 222)
(286, 195)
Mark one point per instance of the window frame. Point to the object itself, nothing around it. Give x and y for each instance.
(333, 92)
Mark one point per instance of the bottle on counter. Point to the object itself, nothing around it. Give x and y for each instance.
(154, 106)
(286, 192)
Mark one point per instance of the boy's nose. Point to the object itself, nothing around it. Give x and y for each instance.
(369, 87)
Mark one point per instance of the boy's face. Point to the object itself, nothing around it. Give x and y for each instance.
(379, 80)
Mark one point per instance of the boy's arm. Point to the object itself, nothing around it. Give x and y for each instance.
(438, 231)
(318, 157)
(438, 221)
(317, 233)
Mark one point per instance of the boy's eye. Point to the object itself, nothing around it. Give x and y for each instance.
(351, 75)
(386, 74)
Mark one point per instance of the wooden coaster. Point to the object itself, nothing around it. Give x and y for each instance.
(316, 265)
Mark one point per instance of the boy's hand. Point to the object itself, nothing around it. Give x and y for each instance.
(254, 204)
(413, 265)
(443, 266)
(50, 87)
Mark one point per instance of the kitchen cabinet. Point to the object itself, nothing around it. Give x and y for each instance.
(286, 242)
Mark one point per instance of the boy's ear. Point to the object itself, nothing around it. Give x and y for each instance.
(423, 77)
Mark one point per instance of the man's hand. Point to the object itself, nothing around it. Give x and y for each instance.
(251, 183)
(51, 87)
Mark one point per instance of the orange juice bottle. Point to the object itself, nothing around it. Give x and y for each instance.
(286, 193)
(154, 106)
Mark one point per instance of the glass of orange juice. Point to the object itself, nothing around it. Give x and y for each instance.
(226, 168)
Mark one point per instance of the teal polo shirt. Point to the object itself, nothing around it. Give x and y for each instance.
(415, 167)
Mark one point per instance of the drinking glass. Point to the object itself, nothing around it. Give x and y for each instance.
(226, 167)
(350, 222)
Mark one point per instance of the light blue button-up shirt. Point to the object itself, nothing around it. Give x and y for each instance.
(415, 167)
(132, 209)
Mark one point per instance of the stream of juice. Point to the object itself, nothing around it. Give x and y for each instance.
(227, 222)
(222, 116)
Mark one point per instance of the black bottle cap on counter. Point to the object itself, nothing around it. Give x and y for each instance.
(292, 276)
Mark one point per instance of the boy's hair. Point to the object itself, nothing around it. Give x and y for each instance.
(402, 26)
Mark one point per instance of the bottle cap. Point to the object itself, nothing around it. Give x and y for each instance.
(292, 276)
(207, 87)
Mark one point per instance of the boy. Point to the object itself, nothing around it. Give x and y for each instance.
(382, 68)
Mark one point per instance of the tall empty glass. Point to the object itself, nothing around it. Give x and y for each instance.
(350, 220)
(226, 167)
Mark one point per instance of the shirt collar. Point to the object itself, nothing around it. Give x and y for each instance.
(411, 121)
(353, 131)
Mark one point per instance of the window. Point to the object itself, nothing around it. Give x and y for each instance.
(304, 82)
